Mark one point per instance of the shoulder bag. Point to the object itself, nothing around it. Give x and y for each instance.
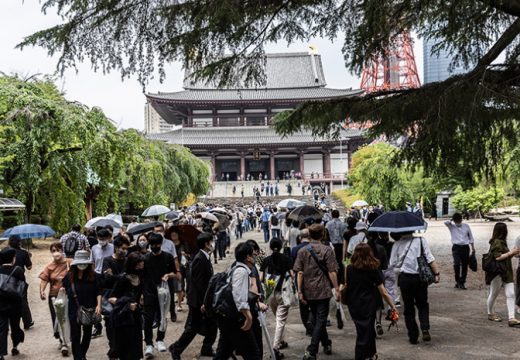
(10, 287)
(425, 271)
(289, 297)
(85, 316)
(321, 263)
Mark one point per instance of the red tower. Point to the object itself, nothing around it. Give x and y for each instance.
(393, 71)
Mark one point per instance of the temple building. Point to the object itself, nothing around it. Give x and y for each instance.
(230, 127)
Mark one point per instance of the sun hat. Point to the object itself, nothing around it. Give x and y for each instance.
(361, 226)
(81, 257)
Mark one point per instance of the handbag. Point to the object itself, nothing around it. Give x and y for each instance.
(106, 306)
(85, 316)
(289, 291)
(10, 287)
(491, 266)
(473, 262)
(425, 271)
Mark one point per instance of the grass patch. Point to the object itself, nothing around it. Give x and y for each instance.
(347, 196)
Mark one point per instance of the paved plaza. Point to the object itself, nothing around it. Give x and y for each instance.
(459, 326)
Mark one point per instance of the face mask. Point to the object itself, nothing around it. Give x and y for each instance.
(156, 250)
(143, 244)
(121, 253)
(211, 247)
(83, 267)
(103, 243)
(57, 256)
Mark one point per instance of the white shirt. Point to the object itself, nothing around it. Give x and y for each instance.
(355, 240)
(240, 286)
(169, 247)
(410, 247)
(98, 253)
(205, 253)
(460, 234)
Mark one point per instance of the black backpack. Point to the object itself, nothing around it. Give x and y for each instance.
(71, 245)
(218, 300)
(274, 220)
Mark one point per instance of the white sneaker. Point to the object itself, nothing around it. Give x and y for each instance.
(148, 352)
(161, 347)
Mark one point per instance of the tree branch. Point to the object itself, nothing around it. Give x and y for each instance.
(511, 7)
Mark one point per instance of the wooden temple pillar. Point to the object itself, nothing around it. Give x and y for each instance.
(272, 165)
(326, 164)
(302, 163)
(242, 165)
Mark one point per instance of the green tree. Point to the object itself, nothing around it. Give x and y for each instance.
(379, 180)
(458, 122)
(54, 153)
(479, 199)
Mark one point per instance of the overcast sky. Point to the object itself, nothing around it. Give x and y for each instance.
(123, 101)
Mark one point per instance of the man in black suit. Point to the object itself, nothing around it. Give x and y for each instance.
(198, 278)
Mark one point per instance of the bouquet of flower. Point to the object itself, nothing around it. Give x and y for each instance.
(60, 304)
(269, 286)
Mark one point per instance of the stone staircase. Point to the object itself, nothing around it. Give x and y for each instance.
(246, 200)
(225, 188)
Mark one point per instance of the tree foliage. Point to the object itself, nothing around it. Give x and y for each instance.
(55, 153)
(460, 122)
(478, 199)
(375, 176)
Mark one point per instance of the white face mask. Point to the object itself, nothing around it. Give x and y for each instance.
(83, 266)
(211, 247)
(103, 243)
(143, 244)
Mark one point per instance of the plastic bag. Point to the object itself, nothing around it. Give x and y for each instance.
(62, 325)
(289, 297)
(163, 292)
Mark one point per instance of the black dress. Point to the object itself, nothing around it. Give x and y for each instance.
(363, 299)
(128, 335)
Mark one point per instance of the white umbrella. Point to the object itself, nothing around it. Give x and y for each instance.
(290, 204)
(116, 217)
(156, 210)
(209, 216)
(102, 221)
(359, 203)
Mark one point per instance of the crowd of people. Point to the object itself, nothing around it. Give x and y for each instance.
(127, 284)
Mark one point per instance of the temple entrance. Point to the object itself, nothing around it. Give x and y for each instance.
(287, 167)
(227, 169)
(257, 167)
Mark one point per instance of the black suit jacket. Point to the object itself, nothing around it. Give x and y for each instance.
(199, 274)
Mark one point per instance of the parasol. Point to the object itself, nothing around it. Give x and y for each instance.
(305, 212)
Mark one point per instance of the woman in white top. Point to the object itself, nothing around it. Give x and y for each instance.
(414, 293)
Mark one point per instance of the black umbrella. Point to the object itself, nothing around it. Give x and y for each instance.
(223, 220)
(172, 215)
(398, 222)
(305, 212)
(142, 228)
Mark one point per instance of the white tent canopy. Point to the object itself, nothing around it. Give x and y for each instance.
(7, 204)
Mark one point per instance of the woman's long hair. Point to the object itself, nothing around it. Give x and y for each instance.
(89, 274)
(499, 231)
(363, 258)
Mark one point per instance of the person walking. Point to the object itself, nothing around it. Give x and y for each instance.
(364, 282)
(113, 267)
(99, 252)
(499, 250)
(264, 219)
(336, 228)
(414, 292)
(274, 224)
(360, 237)
(23, 260)
(74, 241)
(10, 309)
(82, 285)
(277, 266)
(126, 318)
(316, 267)
(238, 335)
(199, 274)
(53, 275)
(159, 266)
(462, 240)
